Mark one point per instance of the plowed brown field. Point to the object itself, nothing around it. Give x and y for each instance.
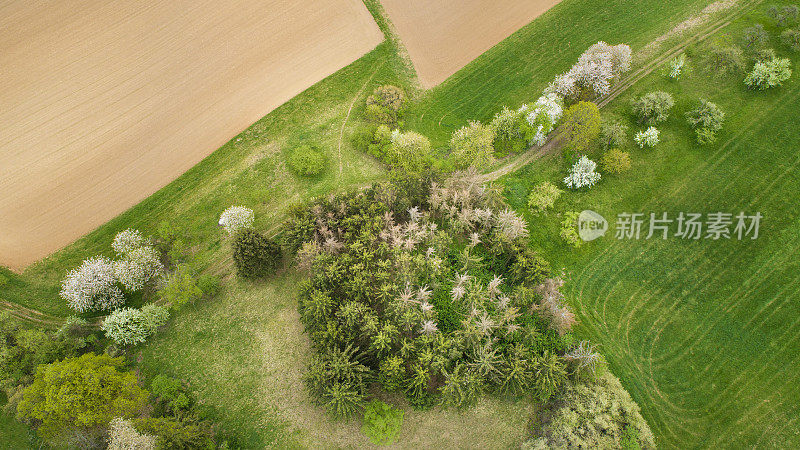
(103, 103)
(442, 36)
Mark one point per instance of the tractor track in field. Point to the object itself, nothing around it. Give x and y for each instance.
(44, 320)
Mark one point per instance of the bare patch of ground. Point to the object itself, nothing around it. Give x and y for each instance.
(105, 103)
(442, 36)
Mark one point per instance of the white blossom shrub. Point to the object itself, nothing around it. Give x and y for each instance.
(236, 218)
(123, 436)
(583, 174)
(92, 286)
(769, 74)
(647, 138)
(127, 241)
(130, 326)
(544, 115)
(138, 267)
(510, 225)
(593, 74)
(676, 66)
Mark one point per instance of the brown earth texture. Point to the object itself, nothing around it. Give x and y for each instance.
(103, 103)
(442, 36)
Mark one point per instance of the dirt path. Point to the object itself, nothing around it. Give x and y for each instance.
(347, 117)
(510, 166)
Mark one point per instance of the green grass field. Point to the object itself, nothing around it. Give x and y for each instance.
(704, 334)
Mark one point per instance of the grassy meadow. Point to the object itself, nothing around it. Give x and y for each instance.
(704, 334)
(681, 323)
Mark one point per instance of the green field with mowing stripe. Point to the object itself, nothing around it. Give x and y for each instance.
(704, 334)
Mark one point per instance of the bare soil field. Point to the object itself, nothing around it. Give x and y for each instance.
(442, 36)
(103, 103)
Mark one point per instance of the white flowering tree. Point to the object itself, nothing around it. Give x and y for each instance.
(139, 262)
(583, 174)
(769, 74)
(594, 73)
(647, 138)
(92, 286)
(544, 115)
(127, 241)
(510, 225)
(676, 66)
(236, 218)
(130, 326)
(123, 436)
(138, 267)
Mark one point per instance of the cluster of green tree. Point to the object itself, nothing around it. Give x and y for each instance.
(63, 386)
(473, 146)
(178, 285)
(767, 69)
(442, 300)
(596, 414)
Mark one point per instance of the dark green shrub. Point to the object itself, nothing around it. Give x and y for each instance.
(337, 379)
(549, 375)
(385, 105)
(613, 135)
(527, 267)
(173, 434)
(381, 423)
(725, 61)
(392, 373)
(791, 39)
(784, 16)
(653, 108)
(615, 161)
(390, 97)
(307, 160)
(462, 387)
(254, 254)
(707, 120)
(755, 38)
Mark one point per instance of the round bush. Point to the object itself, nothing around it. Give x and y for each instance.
(254, 254)
(791, 39)
(92, 286)
(653, 108)
(615, 161)
(543, 196)
(390, 97)
(769, 74)
(307, 160)
(473, 146)
(725, 61)
(129, 326)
